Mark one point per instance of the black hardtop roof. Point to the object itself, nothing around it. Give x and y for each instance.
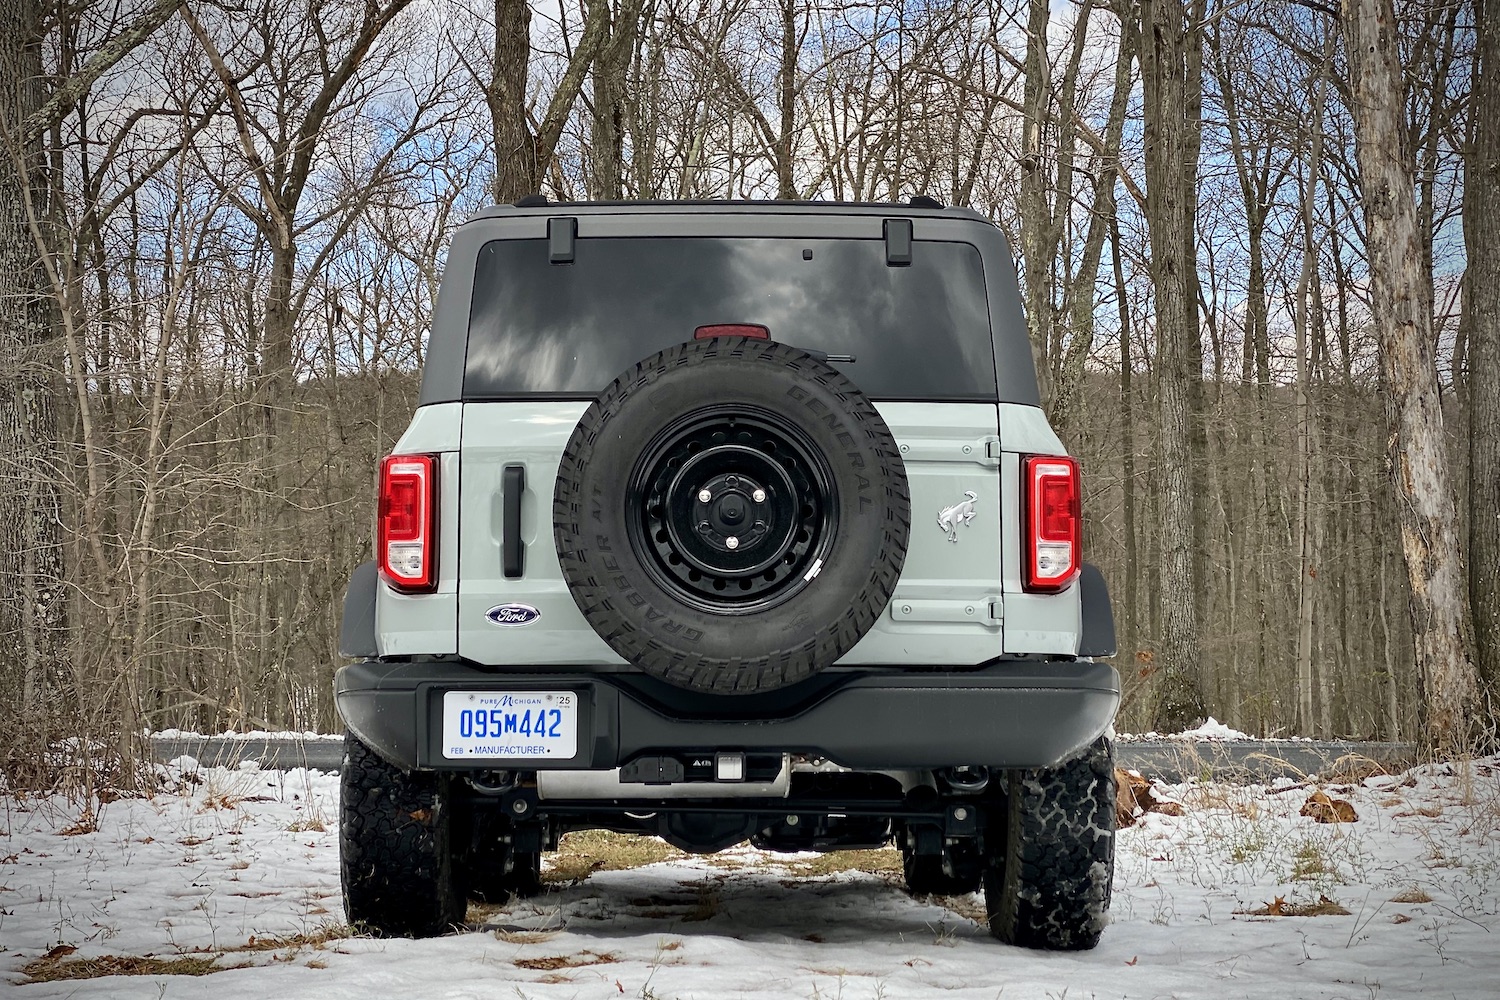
(533, 205)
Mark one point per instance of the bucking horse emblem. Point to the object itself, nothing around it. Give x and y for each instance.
(949, 518)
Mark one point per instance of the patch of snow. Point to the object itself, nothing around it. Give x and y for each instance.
(244, 854)
(1213, 729)
(184, 763)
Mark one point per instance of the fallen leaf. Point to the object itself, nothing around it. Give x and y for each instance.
(1401, 918)
(1134, 797)
(1279, 907)
(61, 951)
(1129, 787)
(1326, 810)
(1134, 960)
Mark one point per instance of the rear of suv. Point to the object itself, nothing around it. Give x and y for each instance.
(724, 522)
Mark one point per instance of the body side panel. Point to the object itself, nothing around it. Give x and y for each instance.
(1034, 623)
(426, 624)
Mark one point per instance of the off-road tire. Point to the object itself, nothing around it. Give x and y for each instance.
(701, 643)
(925, 875)
(395, 855)
(1051, 861)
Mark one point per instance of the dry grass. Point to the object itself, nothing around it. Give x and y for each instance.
(55, 965)
(551, 963)
(1351, 769)
(1309, 861)
(308, 824)
(968, 907)
(524, 937)
(317, 940)
(881, 861)
(688, 903)
(1231, 799)
(584, 852)
(1412, 895)
(45, 970)
(84, 824)
(1279, 907)
(705, 906)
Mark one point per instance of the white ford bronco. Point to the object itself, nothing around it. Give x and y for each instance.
(723, 522)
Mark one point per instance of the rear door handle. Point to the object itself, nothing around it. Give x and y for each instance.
(512, 549)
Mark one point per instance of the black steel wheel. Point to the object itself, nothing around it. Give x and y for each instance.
(730, 508)
(731, 515)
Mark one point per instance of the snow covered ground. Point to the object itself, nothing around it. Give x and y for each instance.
(238, 870)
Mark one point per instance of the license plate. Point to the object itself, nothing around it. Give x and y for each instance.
(487, 724)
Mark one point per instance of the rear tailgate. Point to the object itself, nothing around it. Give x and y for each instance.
(948, 601)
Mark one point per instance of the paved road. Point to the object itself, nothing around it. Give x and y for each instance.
(1170, 760)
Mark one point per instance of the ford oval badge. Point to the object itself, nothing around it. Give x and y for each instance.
(513, 615)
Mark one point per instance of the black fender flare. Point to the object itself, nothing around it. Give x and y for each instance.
(357, 630)
(1098, 634)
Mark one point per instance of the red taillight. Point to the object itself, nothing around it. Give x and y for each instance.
(406, 522)
(752, 330)
(1053, 549)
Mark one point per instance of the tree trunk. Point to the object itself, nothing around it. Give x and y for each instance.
(523, 156)
(1400, 297)
(517, 172)
(1482, 305)
(1308, 530)
(607, 152)
(1166, 41)
(1036, 251)
(786, 185)
(1129, 643)
(33, 604)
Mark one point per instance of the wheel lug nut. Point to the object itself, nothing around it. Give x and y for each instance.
(704, 496)
(731, 481)
(759, 496)
(704, 527)
(732, 542)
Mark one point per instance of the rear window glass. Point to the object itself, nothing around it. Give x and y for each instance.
(917, 332)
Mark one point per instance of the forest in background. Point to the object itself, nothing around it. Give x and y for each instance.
(224, 226)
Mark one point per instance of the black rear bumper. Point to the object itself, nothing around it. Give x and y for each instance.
(1013, 714)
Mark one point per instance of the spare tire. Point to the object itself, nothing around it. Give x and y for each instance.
(731, 515)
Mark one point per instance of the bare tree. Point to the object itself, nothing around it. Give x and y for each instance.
(1171, 40)
(1482, 313)
(523, 152)
(1400, 296)
(33, 611)
(34, 614)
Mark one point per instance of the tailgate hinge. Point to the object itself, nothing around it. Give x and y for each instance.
(992, 447)
(985, 610)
